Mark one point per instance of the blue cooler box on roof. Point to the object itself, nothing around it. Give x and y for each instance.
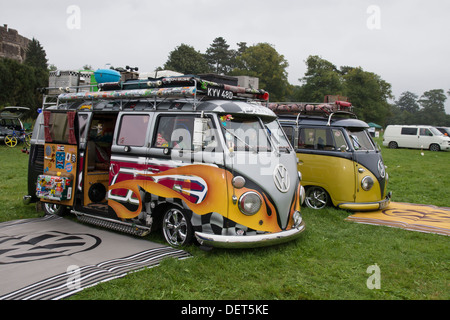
(106, 75)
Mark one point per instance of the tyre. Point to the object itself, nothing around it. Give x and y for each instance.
(176, 227)
(10, 141)
(393, 145)
(435, 147)
(54, 209)
(316, 198)
(28, 140)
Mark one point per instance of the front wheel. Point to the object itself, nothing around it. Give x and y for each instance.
(393, 145)
(316, 198)
(176, 227)
(10, 141)
(435, 147)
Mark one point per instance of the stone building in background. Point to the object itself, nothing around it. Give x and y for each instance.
(12, 44)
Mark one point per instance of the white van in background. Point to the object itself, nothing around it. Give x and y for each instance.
(418, 137)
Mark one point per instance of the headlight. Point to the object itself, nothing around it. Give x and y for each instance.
(367, 183)
(250, 203)
(302, 194)
(297, 217)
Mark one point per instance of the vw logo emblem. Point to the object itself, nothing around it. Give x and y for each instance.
(281, 178)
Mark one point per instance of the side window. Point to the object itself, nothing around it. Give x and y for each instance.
(177, 132)
(133, 130)
(289, 131)
(425, 132)
(83, 128)
(56, 126)
(409, 131)
(174, 132)
(339, 140)
(315, 138)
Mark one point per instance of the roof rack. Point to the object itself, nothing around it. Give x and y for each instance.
(309, 108)
(340, 113)
(167, 88)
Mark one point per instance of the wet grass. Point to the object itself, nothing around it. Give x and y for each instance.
(329, 261)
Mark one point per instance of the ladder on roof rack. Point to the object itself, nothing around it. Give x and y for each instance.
(48, 101)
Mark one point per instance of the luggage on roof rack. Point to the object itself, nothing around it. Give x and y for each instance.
(168, 87)
(305, 108)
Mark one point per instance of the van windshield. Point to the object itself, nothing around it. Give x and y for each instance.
(360, 139)
(244, 133)
(277, 135)
(435, 131)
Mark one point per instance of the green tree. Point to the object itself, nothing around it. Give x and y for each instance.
(321, 78)
(264, 62)
(219, 56)
(235, 62)
(433, 108)
(37, 73)
(187, 60)
(368, 93)
(405, 110)
(408, 102)
(18, 84)
(36, 56)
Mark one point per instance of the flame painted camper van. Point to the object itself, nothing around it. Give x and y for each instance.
(339, 162)
(199, 159)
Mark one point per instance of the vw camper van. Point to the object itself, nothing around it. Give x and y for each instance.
(198, 159)
(339, 162)
(415, 137)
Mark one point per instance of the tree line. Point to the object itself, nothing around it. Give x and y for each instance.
(370, 95)
(19, 81)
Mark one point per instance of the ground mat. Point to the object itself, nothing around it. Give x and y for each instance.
(53, 257)
(417, 217)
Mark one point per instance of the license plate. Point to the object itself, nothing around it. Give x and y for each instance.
(219, 93)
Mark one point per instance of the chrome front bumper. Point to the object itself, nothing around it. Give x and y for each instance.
(369, 206)
(253, 241)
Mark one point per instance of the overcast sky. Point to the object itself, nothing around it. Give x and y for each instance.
(405, 42)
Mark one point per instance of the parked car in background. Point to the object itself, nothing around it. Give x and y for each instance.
(416, 137)
(10, 119)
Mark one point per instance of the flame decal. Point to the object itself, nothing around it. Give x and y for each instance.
(216, 197)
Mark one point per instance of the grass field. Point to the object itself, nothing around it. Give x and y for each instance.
(329, 261)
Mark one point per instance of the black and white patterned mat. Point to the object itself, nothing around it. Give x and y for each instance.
(52, 257)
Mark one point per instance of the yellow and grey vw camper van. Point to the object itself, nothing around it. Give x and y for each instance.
(339, 162)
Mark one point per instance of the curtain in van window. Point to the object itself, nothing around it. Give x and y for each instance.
(70, 123)
(133, 130)
(48, 136)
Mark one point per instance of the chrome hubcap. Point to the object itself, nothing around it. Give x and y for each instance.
(175, 227)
